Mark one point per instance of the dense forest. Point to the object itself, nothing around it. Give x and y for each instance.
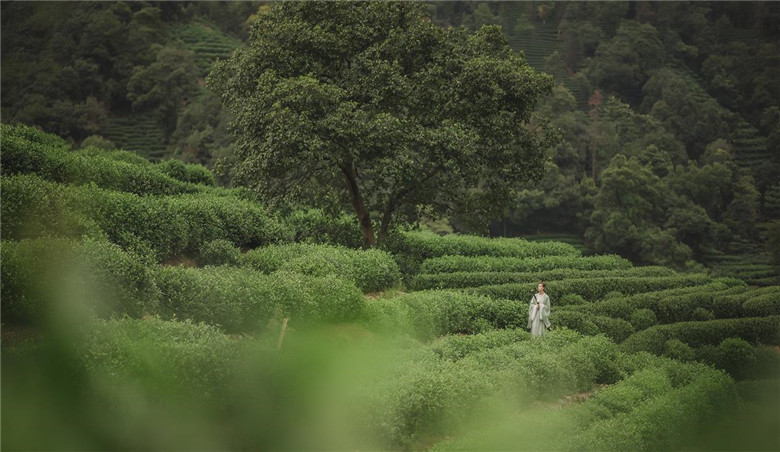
(667, 112)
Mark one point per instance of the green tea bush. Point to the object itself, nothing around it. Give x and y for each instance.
(431, 397)
(411, 248)
(428, 314)
(174, 225)
(43, 276)
(593, 288)
(571, 299)
(763, 304)
(668, 306)
(757, 302)
(115, 154)
(169, 225)
(429, 244)
(475, 279)
(453, 264)
(269, 259)
(456, 346)
(643, 319)
(32, 207)
(31, 271)
(679, 350)
(243, 300)
(56, 163)
(98, 142)
(121, 283)
(661, 421)
(616, 329)
(371, 270)
(316, 226)
(753, 329)
(575, 321)
(163, 357)
(701, 314)
(219, 252)
(186, 172)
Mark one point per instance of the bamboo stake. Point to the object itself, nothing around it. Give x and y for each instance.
(281, 334)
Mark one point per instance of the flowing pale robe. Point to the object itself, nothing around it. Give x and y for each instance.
(539, 318)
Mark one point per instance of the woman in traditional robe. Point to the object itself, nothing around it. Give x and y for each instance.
(539, 311)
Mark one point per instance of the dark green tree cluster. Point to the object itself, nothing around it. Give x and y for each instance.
(70, 68)
(661, 106)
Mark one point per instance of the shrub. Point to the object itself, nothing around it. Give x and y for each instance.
(455, 347)
(701, 314)
(429, 314)
(592, 288)
(736, 356)
(428, 244)
(32, 207)
(411, 248)
(39, 278)
(643, 319)
(474, 279)
(453, 264)
(116, 154)
(371, 270)
(219, 252)
(23, 153)
(242, 300)
(160, 356)
(571, 299)
(186, 172)
(753, 329)
(31, 273)
(661, 421)
(668, 306)
(676, 349)
(98, 142)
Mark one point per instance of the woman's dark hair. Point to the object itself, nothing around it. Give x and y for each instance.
(543, 284)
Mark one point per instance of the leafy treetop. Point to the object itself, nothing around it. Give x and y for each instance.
(374, 97)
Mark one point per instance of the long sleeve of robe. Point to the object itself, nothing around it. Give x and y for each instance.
(539, 318)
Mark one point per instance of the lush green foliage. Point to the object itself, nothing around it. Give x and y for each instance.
(591, 289)
(45, 278)
(371, 270)
(242, 300)
(429, 314)
(753, 329)
(24, 153)
(474, 279)
(459, 263)
(167, 225)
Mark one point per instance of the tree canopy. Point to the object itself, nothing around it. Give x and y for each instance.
(374, 97)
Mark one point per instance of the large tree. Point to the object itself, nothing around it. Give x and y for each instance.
(374, 97)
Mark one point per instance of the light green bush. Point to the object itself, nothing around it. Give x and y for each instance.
(371, 270)
(219, 252)
(428, 314)
(475, 279)
(453, 264)
(243, 300)
(752, 329)
(42, 277)
(593, 288)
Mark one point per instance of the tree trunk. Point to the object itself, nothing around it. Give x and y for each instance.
(359, 206)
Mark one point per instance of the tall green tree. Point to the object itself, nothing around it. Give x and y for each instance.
(372, 94)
